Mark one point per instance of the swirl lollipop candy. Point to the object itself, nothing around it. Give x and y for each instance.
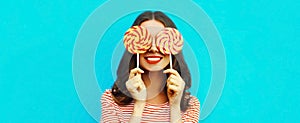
(169, 41)
(137, 40)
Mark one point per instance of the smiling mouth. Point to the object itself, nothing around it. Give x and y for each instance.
(153, 59)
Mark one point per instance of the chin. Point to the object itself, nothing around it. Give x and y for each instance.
(154, 68)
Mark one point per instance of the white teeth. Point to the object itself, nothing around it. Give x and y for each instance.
(153, 59)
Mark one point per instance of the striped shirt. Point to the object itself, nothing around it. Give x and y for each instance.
(112, 112)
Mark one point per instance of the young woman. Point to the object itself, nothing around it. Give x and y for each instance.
(154, 92)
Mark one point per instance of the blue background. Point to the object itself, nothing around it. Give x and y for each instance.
(260, 40)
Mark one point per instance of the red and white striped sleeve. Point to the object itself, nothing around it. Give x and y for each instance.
(192, 114)
(110, 110)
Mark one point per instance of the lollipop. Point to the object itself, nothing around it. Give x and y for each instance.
(137, 40)
(169, 41)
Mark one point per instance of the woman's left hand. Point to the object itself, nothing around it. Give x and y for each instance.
(175, 87)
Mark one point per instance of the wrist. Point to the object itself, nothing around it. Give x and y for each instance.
(139, 102)
(175, 113)
(175, 104)
(175, 107)
(138, 108)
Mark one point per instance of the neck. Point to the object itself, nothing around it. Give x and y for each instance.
(155, 82)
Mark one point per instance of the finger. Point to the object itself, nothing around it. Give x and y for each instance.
(135, 71)
(130, 88)
(137, 81)
(173, 79)
(133, 83)
(130, 75)
(173, 82)
(172, 89)
(136, 85)
(139, 88)
(133, 91)
(140, 85)
(171, 71)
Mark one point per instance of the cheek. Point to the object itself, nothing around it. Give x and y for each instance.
(167, 58)
(166, 61)
(143, 62)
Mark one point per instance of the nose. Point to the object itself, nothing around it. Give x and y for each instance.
(153, 47)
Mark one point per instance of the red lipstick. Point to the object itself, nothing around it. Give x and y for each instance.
(153, 59)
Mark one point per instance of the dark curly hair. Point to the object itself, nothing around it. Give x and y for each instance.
(119, 91)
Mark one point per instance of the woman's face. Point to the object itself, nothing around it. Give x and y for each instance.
(153, 60)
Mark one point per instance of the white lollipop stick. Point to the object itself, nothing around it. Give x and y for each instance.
(138, 60)
(171, 61)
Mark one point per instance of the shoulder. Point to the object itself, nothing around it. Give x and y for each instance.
(109, 109)
(193, 112)
(107, 96)
(106, 93)
(194, 101)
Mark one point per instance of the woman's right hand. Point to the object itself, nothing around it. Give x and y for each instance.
(136, 86)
